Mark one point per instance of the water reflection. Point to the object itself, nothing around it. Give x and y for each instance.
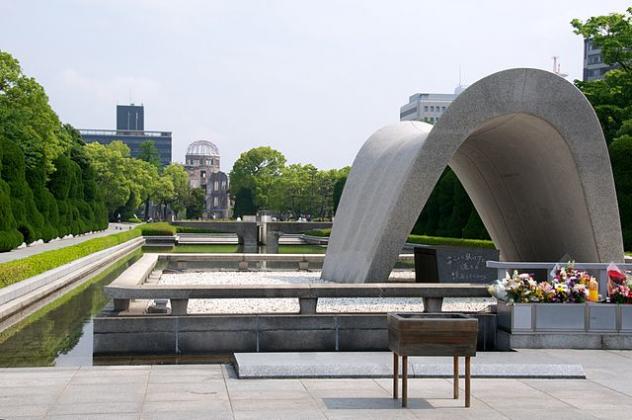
(61, 332)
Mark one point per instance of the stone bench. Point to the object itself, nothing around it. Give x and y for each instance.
(308, 294)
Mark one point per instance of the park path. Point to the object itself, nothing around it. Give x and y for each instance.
(62, 243)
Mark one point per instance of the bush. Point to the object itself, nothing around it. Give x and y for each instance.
(186, 229)
(134, 220)
(18, 270)
(157, 229)
(10, 237)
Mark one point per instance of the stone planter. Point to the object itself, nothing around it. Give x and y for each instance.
(564, 318)
(602, 317)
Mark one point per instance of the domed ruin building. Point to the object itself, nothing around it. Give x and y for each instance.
(202, 164)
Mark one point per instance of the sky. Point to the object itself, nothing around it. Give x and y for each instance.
(312, 79)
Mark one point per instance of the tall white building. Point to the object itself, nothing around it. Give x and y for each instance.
(427, 107)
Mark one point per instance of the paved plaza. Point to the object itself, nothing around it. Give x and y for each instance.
(213, 391)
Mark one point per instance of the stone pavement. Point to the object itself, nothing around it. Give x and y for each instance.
(213, 391)
(28, 251)
(524, 363)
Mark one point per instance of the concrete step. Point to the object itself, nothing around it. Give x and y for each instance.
(518, 364)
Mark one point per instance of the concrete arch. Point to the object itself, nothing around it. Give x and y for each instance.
(529, 150)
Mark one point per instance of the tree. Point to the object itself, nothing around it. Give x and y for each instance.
(244, 202)
(621, 158)
(256, 170)
(128, 181)
(611, 33)
(110, 164)
(27, 119)
(195, 203)
(181, 190)
(47, 185)
(149, 153)
(612, 100)
(339, 185)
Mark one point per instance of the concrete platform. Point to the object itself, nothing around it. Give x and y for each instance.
(214, 392)
(519, 364)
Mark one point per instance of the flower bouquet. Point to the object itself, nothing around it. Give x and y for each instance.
(567, 285)
(619, 285)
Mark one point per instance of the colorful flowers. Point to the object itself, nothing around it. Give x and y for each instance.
(619, 285)
(567, 285)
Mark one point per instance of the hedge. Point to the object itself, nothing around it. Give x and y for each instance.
(157, 229)
(186, 229)
(18, 270)
(425, 240)
(438, 240)
(33, 209)
(323, 233)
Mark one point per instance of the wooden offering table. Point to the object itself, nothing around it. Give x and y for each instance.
(431, 334)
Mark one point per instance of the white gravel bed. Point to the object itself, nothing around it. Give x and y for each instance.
(290, 305)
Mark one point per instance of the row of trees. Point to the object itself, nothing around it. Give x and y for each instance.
(47, 183)
(612, 99)
(135, 182)
(53, 184)
(261, 179)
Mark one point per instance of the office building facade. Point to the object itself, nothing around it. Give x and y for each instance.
(594, 67)
(130, 129)
(427, 107)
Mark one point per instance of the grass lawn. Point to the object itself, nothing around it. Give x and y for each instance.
(189, 249)
(302, 249)
(18, 270)
(228, 249)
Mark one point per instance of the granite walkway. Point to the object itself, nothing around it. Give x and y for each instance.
(62, 243)
(213, 391)
(525, 363)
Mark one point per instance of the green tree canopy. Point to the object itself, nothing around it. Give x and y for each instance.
(47, 185)
(149, 153)
(612, 99)
(27, 119)
(179, 178)
(611, 33)
(257, 170)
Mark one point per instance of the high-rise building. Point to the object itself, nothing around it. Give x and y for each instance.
(594, 67)
(202, 164)
(130, 129)
(130, 117)
(427, 107)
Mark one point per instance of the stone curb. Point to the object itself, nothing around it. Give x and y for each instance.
(18, 296)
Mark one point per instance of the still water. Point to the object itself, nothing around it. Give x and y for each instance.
(60, 334)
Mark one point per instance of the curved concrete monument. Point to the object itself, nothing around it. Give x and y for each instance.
(529, 150)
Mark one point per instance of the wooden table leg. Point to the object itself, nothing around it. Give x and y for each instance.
(467, 380)
(455, 378)
(404, 381)
(395, 375)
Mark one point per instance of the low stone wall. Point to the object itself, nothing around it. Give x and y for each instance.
(252, 333)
